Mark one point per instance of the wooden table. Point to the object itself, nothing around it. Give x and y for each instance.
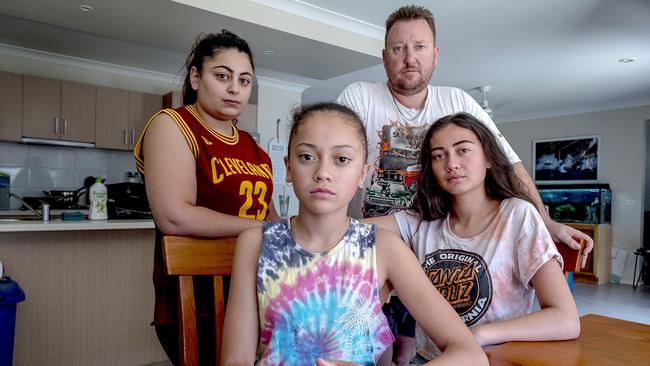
(602, 341)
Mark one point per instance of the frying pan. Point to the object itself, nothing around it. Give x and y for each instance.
(63, 196)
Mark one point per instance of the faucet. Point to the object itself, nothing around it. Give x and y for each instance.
(30, 208)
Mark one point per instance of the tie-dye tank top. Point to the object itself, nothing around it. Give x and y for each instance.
(319, 305)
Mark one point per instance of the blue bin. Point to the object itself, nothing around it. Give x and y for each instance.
(10, 295)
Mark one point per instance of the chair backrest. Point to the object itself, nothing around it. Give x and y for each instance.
(186, 257)
(570, 256)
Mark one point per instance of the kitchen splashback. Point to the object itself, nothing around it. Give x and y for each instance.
(34, 168)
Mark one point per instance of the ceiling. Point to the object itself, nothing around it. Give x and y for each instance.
(541, 57)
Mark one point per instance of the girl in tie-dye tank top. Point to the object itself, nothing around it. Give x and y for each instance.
(308, 290)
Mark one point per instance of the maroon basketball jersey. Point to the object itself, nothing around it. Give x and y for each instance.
(233, 173)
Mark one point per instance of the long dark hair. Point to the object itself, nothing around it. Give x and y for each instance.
(205, 47)
(501, 182)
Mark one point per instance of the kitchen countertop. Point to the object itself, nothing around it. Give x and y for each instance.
(74, 225)
(56, 224)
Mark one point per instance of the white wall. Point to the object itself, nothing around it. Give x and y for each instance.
(275, 100)
(647, 167)
(622, 162)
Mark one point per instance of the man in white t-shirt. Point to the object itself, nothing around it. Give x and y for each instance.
(396, 114)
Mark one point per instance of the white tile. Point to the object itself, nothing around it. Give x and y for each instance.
(89, 159)
(51, 157)
(13, 203)
(18, 176)
(115, 177)
(64, 179)
(52, 178)
(39, 177)
(122, 161)
(80, 175)
(13, 154)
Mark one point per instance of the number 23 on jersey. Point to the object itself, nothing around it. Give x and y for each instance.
(253, 193)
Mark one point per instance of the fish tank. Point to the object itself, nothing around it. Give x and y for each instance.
(578, 203)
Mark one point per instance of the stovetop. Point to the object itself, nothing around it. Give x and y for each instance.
(128, 213)
(36, 203)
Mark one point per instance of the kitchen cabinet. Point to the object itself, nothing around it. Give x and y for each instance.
(112, 121)
(121, 116)
(89, 296)
(142, 107)
(11, 106)
(58, 110)
(598, 268)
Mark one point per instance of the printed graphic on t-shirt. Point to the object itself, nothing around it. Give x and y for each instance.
(396, 170)
(463, 278)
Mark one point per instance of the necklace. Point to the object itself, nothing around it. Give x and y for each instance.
(399, 108)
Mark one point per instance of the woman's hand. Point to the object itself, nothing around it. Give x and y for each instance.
(323, 362)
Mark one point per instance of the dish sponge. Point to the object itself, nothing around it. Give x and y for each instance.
(72, 216)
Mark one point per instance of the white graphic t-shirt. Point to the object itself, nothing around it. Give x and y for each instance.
(485, 278)
(395, 136)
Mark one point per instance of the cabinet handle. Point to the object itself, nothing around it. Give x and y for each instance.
(65, 125)
(56, 125)
(126, 137)
(133, 137)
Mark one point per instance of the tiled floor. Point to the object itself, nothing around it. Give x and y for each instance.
(616, 301)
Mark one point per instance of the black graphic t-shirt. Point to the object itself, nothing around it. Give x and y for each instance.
(463, 279)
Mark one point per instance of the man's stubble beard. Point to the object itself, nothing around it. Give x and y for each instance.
(401, 89)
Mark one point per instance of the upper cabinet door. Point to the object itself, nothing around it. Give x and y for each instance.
(11, 106)
(78, 111)
(54, 109)
(142, 107)
(41, 107)
(112, 123)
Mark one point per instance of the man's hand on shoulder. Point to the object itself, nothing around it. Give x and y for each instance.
(570, 236)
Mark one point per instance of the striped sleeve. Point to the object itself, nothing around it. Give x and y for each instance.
(138, 152)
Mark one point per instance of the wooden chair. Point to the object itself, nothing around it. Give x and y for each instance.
(572, 259)
(186, 257)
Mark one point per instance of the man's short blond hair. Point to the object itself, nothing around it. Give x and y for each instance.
(410, 12)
